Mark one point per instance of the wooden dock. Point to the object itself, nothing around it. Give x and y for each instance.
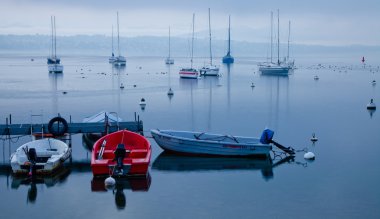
(58, 126)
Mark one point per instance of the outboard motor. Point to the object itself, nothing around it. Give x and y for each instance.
(119, 156)
(32, 155)
(266, 136)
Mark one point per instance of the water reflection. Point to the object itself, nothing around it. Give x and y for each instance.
(180, 163)
(58, 177)
(135, 184)
(55, 79)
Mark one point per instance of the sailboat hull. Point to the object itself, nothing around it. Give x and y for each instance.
(228, 59)
(169, 61)
(209, 71)
(55, 68)
(274, 70)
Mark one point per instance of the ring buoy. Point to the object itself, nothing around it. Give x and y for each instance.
(60, 128)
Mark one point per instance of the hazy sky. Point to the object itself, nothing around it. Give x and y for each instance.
(327, 22)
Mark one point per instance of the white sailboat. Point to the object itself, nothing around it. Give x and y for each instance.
(271, 68)
(209, 70)
(120, 60)
(169, 60)
(289, 62)
(54, 63)
(190, 72)
(112, 58)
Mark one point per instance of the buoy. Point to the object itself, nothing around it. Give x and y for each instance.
(109, 182)
(374, 82)
(371, 105)
(316, 77)
(313, 138)
(252, 85)
(309, 156)
(170, 92)
(122, 86)
(142, 103)
(64, 92)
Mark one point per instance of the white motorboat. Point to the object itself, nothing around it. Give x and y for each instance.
(42, 156)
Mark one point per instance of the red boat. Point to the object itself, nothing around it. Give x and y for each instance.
(121, 153)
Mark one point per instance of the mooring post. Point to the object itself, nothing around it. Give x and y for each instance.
(70, 137)
(135, 116)
(10, 119)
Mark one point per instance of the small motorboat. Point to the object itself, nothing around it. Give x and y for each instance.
(202, 143)
(42, 156)
(121, 153)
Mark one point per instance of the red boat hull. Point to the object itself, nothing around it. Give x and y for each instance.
(136, 162)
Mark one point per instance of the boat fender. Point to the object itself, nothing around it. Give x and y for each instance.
(266, 136)
(109, 182)
(309, 156)
(60, 131)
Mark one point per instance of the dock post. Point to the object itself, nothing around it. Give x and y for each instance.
(10, 119)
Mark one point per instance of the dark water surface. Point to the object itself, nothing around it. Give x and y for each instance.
(343, 181)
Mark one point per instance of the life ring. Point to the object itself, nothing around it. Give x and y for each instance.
(62, 126)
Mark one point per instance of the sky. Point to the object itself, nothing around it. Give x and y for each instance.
(322, 22)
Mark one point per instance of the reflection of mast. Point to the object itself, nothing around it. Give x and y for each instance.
(192, 106)
(210, 108)
(228, 86)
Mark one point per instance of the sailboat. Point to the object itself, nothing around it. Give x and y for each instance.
(190, 72)
(228, 59)
(54, 63)
(271, 68)
(119, 60)
(169, 60)
(209, 70)
(112, 58)
(289, 62)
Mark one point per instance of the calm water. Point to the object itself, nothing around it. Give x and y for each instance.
(343, 181)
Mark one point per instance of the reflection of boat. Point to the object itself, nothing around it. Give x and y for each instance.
(121, 153)
(228, 59)
(136, 184)
(190, 72)
(131, 183)
(170, 162)
(209, 144)
(209, 70)
(54, 63)
(49, 181)
(42, 156)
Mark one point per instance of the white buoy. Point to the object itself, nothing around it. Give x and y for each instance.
(109, 182)
(313, 138)
(309, 156)
(121, 86)
(371, 105)
(170, 92)
(316, 77)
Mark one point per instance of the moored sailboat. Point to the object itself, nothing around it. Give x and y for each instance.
(169, 60)
(190, 72)
(54, 62)
(209, 70)
(119, 60)
(228, 59)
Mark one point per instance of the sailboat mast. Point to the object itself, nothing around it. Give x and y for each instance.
(118, 38)
(55, 40)
(169, 42)
(278, 36)
(192, 43)
(52, 37)
(288, 41)
(209, 27)
(229, 34)
(112, 41)
(271, 36)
